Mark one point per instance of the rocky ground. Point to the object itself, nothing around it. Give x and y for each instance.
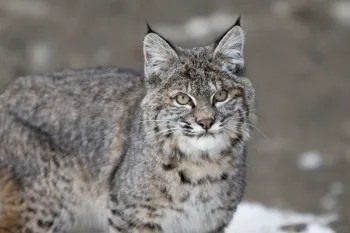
(297, 51)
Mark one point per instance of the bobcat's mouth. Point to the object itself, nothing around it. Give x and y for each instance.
(198, 135)
(189, 131)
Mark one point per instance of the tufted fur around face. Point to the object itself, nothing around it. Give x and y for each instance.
(116, 151)
(199, 73)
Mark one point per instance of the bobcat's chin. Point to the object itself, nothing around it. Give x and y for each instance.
(208, 144)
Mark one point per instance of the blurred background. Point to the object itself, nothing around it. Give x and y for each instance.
(297, 54)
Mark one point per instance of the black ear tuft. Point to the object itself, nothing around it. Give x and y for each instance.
(149, 29)
(237, 23)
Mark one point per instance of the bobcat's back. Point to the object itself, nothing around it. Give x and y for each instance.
(80, 112)
(61, 134)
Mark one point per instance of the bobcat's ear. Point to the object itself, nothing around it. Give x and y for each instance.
(159, 54)
(229, 48)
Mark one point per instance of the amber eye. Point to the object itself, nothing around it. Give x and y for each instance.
(182, 99)
(220, 96)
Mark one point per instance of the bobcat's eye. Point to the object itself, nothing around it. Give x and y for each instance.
(220, 96)
(182, 99)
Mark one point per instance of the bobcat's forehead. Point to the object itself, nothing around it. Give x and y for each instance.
(197, 73)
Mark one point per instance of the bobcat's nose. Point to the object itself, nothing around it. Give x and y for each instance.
(206, 123)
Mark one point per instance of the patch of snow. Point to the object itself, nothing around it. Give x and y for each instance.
(199, 27)
(257, 218)
(310, 160)
(340, 10)
(328, 202)
(40, 55)
(221, 21)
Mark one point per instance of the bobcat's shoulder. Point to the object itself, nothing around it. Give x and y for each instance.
(80, 110)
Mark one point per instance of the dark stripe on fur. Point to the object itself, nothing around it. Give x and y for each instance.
(203, 180)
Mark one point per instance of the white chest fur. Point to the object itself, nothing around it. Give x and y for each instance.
(200, 212)
(196, 146)
(196, 216)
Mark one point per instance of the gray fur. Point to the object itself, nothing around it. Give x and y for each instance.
(110, 150)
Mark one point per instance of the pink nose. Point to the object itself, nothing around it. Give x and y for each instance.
(206, 123)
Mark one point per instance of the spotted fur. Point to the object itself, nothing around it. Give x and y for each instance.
(112, 150)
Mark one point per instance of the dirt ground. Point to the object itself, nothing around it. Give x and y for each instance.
(297, 54)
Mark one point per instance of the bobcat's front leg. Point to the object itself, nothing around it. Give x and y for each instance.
(220, 229)
(131, 228)
(126, 219)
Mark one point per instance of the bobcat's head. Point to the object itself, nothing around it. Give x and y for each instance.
(197, 98)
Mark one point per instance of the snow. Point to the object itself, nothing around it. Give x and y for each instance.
(310, 160)
(199, 26)
(40, 55)
(257, 218)
(341, 11)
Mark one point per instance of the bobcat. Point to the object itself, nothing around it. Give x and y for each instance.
(114, 150)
